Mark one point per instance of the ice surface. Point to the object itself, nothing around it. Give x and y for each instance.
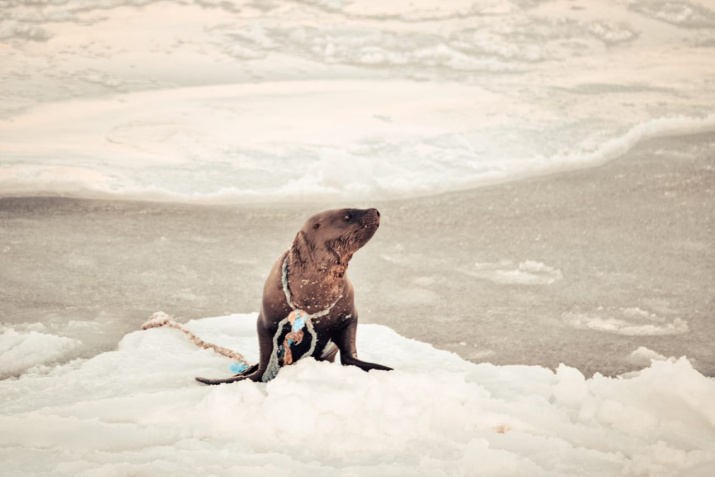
(137, 410)
(234, 102)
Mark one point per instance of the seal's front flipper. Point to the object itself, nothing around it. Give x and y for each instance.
(348, 351)
(364, 365)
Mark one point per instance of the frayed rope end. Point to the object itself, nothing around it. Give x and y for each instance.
(157, 320)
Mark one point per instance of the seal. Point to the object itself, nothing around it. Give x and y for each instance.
(308, 304)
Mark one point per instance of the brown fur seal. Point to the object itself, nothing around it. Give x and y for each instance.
(308, 307)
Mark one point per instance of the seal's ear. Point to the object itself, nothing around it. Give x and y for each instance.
(303, 248)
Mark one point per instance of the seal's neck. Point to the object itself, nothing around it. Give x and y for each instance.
(313, 288)
(338, 270)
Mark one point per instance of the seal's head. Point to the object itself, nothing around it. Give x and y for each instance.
(328, 240)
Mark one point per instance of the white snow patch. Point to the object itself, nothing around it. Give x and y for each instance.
(626, 321)
(644, 356)
(11, 29)
(137, 411)
(20, 351)
(529, 272)
(680, 13)
(611, 32)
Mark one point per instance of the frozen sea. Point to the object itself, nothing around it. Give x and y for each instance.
(543, 280)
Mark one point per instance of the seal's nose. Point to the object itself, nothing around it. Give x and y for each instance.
(371, 217)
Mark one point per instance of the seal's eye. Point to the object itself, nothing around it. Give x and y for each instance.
(347, 217)
(316, 226)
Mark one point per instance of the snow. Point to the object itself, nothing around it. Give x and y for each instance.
(20, 351)
(137, 411)
(685, 14)
(238, 102)
(644, 356)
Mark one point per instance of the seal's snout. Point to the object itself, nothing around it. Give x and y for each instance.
(371, 218)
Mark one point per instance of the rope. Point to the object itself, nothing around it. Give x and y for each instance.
(160, 319)
(284, 281)
(273, 364)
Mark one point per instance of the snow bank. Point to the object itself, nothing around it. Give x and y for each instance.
(137, 411)
(21, 351)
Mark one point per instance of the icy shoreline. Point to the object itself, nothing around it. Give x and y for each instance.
(137, 410)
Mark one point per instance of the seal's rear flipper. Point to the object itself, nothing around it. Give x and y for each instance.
(233, 379)
(246, 374)
(249, 370)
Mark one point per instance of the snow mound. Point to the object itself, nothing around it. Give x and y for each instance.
(644, 356)
(21, 351)
(137, 411)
